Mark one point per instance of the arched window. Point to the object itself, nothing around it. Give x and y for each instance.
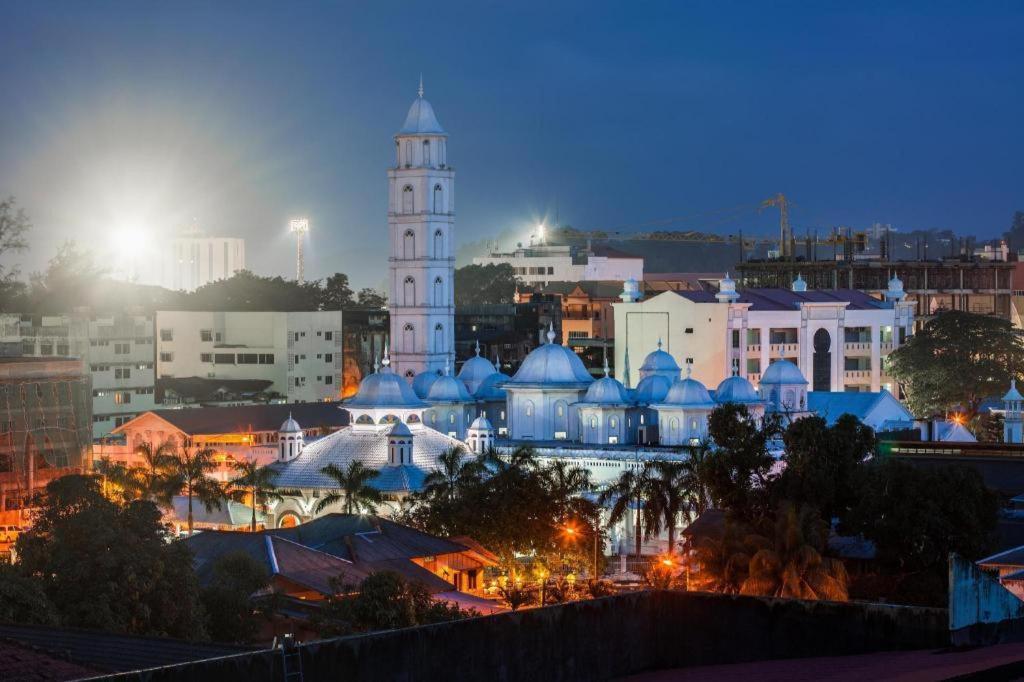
(439, 292)
(389, 419)
(409, 291)
(673, 426)
(439, 345)
(408, 203)
(426, 152)
(439, 244)
(528, 408)
(398, 153)
(821, 370)
(451, 417)
(364, 419)
(613, 423)
(408, 338)
(412, 419)
(438, 199)
(593, 422)
(408, 153)
(409, 245)
(409, 374)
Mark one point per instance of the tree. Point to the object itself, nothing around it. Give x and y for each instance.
(108, 566)
(485, 284)
(255, 485)
(822, 463)
(384, 601)
(1015, 236)
(152, 478)
(566, 483)
(70, 277)
(671, 494)
(633, 487)
(354, 488)
(371, 298)
(23, 600)
(737, 469)
(725, 561)
(793, 566)
(14, 225)
(247, 291)
(956, 361)
(337, 293)
(697, 477)
(453, 474)
(189, 471)
(229, 597)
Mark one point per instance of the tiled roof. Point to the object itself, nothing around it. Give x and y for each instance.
(371, 448)
(203, 388)
(230, 513)
(21, 663)
(785, 299)
(212, 420)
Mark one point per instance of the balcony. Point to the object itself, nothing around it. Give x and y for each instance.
(754, 348)
(786, 349)
(857, 376)
(857, 347)
(754, 377)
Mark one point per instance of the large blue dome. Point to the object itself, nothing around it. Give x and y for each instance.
(688, 393)
(423, 381)
(652, 389)
(384, 388)
(475, 370)
(783, 372)
(736, 389)
(448, 389)
(607, 391)
(553, 365)
(659, 361)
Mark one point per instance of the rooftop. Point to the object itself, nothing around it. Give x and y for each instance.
(786, 299)
(246, 418)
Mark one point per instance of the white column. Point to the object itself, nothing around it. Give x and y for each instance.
(876, 358)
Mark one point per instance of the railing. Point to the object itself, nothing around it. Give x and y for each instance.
(753, 377)
(777, 348)
(753, 348)
(857, 374)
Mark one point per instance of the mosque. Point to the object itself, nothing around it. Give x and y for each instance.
(412, 408)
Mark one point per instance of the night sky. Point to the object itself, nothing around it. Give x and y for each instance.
(240, 115)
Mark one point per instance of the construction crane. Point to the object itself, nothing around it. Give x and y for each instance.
(785, 235)
(300, 227)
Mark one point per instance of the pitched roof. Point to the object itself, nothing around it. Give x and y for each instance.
(203, 388)
(230, 513)
(1009, 557)
(831, 405)
(23, 663)
(107, 652)
(213, 420)
(785, 299)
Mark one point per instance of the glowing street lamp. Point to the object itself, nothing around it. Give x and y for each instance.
(299, 227)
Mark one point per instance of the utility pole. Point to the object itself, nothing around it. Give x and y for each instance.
(785, 234)
(299, 227)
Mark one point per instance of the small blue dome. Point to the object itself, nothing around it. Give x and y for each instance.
(688, 393)
(481, 423)
(736, 389)
(400, 430)
(421, 119)
(659, 361)
(652, 389)
(552, 364)
(384, 389)
(607, 391)
(448, 389)
(783, 372)
(491, 388)
(289, 425)
(475, 370)
(423, 381)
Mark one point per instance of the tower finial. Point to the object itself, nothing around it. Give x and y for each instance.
(689, 370)
(447, 366)
(421, 84)
(376, 363)
(551, 332)
(478, 347)
(606, 362)
(387, 357)
(659, 343)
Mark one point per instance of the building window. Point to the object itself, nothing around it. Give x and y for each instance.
(166, 357)
(122, 373)
(328, 380)
(206, 335)
(224, 358)
(167, 335)
(328, 336)
(408, 199)
(266, 358)
(122, 348)
(122, 398)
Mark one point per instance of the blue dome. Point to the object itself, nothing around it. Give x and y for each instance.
(475, 370)
(652, 389)
(384, 389)
(400, 430)
(736, 389)
(552, 364)
(491, 388)
(421, 119)
(783, 372)
(289, 425)
(481, 423)
(688, 393)
(607, 391)
(659, 361)
(423, 381)
(448, 389)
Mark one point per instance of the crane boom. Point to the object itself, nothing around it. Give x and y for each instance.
(785, 234)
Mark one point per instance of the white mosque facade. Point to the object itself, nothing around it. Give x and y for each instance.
(412, 408)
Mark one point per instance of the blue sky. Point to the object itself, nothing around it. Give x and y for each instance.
(241, 115)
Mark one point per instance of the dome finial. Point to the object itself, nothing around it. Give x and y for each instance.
(387, 357)
(689, 370)
(447, 366)
(659, 343)
(478, 347)
(376, 363)
(421, 85)
(551, 332)
(606, 362)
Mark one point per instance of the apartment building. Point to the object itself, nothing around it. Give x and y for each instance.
(540, 264)
(299, 352)
(116, 350)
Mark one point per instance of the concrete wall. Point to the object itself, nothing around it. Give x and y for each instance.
(981, 610)
(594, 640)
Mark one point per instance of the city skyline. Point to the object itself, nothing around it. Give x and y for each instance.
(601, 118)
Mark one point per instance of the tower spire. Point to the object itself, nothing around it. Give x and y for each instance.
(421, 85)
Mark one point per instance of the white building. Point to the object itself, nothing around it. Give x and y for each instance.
(193, 259)
(421, 217)
(542, 264)
(837, 338)
(117, 351)
(300, 352)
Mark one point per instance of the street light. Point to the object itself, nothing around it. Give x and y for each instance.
(299, 226)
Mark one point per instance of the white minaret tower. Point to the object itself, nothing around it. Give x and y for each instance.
(421, 216)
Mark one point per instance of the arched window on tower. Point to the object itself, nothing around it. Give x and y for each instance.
(439, 345)
(426, 152)
(398, 153)
(439, 292)
(409, 291)
(438, 244)
(408, 200)
(408, 153)
(409, 245)
(438, 199)
(408, 338)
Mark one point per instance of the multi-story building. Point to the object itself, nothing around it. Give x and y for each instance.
(194, 259)
(541, 264)
(838, 338)
(117, 351)
(504, 332)
(364, 334)
(300, 352)
(45, 417)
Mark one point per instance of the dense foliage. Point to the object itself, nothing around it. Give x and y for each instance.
(956, 361)
(482, 284)
(228, 598)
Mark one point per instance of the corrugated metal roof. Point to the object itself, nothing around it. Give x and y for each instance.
(785, 299)
(213, 420)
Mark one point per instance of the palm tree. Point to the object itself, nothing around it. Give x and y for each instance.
(152, 473)
(256, 483)
(793, 567)
(117, 479)
(353, 483)
(697, 469)
(566, 482)
(633, 486)
(453, 474)
(523, 458)
(725, 561)
(670, 496)
(188, 470)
